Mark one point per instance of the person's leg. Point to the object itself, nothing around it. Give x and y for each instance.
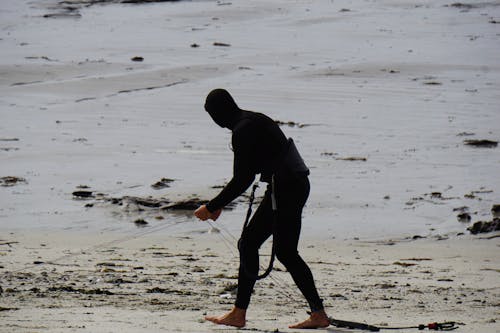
(258, 230)
(291, 198)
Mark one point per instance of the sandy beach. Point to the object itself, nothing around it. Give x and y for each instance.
(69, 282)
(105, 150)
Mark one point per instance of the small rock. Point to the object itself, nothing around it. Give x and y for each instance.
(195, 45)
(140, 222)
(464, 217)
(83, 194)
(495, 210)
(137, 59)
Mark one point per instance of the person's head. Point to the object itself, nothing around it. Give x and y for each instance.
(221, 106)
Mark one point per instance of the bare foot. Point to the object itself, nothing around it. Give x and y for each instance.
(318, 319)
(236, 317)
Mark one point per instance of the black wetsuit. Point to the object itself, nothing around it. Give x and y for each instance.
(259, 147)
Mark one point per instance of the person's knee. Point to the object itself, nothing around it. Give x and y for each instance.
(287, 256)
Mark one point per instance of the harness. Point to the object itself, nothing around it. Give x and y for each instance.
(245, 226)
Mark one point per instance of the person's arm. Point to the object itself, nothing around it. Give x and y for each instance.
(243, 171)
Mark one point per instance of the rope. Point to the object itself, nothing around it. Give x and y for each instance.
(103, 245)
(278, 281)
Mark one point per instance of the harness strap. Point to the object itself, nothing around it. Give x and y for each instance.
(245, 226)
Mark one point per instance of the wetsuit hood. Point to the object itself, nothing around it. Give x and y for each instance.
(221, 106)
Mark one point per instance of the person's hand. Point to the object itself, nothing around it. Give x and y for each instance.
(216, 214)
(204, 214)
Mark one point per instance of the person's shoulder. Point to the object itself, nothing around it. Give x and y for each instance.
(247, 123)
(258, 119)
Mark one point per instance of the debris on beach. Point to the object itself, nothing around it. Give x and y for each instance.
(140, 222)
(291, 124)
(495, 210)
(481, 143)
(70, 12)
(463, 209)
(221, 44)
(83, 194)
(142, 207)
(71, 289)
(485, 226)
(189, 204)
(137, 59)
(11, 181)
(464, 217)
(435, 197)
(349, 158)
(145, 202)
(404, 264)
(229, 288)
(473, 194)
(466, 134)
(432, 83)
(461, 5)
(162, 183)
(352, 158)
(2, 308)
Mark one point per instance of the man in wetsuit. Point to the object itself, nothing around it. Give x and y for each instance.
(260, 147)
